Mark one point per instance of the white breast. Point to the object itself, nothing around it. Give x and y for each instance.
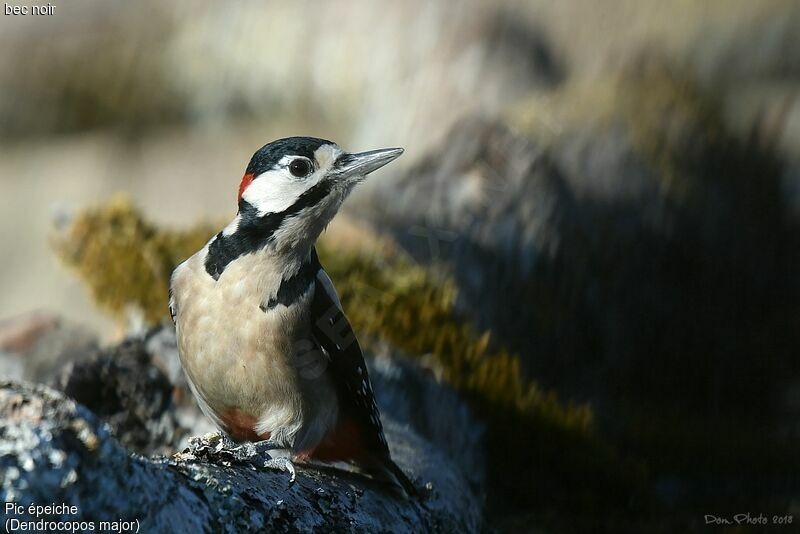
(240, 357)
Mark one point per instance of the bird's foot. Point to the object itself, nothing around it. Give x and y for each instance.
(219, 448)
(282, 464)
(242, 452)
(280, 461)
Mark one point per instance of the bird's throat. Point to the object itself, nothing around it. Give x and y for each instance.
(256, 231)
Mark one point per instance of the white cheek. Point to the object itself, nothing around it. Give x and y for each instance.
(274, 191)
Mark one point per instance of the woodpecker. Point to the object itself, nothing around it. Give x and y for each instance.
(265, 345)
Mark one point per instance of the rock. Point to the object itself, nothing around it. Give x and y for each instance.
(19, 334)
(133, 399)
(491, 207)
(11, 367)
(618, 239)
(124, 385)
(55, 450)
(433, 410)
(36, 345)
(637, 256)
(126, 390)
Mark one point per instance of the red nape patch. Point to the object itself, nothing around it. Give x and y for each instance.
(247, 179)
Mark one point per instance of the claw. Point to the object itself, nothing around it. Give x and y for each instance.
(282, 464)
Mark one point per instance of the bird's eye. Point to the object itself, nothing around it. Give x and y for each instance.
(300, 167)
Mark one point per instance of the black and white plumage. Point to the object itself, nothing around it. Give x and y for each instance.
(263, 339)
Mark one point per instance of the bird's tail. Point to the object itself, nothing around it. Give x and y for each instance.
(387, 471)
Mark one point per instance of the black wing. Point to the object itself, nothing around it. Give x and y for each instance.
(332, 330)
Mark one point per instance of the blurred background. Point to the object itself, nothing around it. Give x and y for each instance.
(612, 190)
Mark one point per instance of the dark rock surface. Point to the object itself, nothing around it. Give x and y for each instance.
(586, 254)
(133, 403)
(125, 389)
(433, 410)
(55, 450)
(648, 271)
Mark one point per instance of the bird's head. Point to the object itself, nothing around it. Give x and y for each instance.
(293, 187)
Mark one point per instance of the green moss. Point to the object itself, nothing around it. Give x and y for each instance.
(407, 306)
(124, 260)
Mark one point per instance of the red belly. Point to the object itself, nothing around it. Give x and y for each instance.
(240, 426)
(342, 444)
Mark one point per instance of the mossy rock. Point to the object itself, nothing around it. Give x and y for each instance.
(542, 452)
(551, 447)
(126, 263)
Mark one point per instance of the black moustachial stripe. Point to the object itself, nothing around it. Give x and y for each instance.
(297, 285)
(254, 231)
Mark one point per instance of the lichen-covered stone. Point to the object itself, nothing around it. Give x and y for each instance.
(124, 387)
(54, 450)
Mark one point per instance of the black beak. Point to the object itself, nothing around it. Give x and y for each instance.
(363, 163)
